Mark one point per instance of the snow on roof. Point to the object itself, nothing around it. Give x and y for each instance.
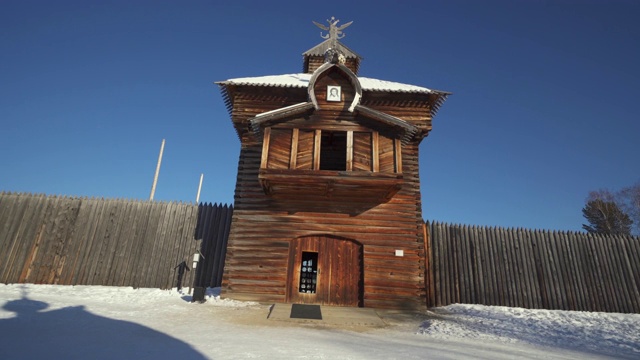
(302, 81)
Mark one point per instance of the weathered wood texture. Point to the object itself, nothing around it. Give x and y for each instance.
(340, 276)
(533, 269)
(263, 226)
(82, 241)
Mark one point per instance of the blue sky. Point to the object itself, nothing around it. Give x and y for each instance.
(544, 104)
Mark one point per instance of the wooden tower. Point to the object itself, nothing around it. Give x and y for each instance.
(327, 201)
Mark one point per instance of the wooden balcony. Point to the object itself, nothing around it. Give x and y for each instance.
(361, 186)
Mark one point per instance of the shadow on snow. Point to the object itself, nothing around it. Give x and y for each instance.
(74, 333)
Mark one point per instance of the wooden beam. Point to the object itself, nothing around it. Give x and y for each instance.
(265, 148)
(316, 150)
(375, 159)
(398, 153)
(349, 150)
(294, 149)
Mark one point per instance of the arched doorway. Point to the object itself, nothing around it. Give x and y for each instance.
(325, 269)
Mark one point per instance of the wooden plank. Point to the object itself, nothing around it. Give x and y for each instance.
(135, 248)
(596, 274)
(15, 212)
(316, 149)
(445, 257)
(279, 153)
(566, 262)
(632, 264)
(375, 151)
(265, 148)
(16, 208)
(503, 285)
(632, 298)
(623, 293)
(475, 276)
(608, 280)
(158, 267)
(386, 157)
(398, 155)
(41, 265)
(89, 241)
(458, 261)
(189, 247)
(435, 237)
(119, 239)
(574, 246)
(521, 268)
(294, 148)
(74, 243)
(362, 152)
(532, 285)
(349, 150)
(115, 241)
(633, 252)
(174, 246)
(95, 257)
(153, 266)
(515, 266)
(480, 264)
(66, 240)
(305, 150)
(132, 235)
(546, 272)
(428, 266)
(561, 273)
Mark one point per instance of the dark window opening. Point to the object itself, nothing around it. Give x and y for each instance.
(308, 272)
(333, 150)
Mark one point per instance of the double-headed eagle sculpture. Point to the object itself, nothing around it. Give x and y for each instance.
(335, 31)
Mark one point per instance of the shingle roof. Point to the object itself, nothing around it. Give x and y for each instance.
(321, 48)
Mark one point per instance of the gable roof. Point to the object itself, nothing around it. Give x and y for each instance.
(302, 81)
(321, 48)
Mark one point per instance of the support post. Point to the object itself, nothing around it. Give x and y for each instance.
(155, 178)
(199, 188)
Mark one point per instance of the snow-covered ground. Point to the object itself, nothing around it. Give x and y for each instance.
(94, 322)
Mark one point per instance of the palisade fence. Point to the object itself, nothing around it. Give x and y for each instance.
(532, 268)
(89, 241)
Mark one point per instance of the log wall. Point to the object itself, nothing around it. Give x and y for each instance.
(263, 227)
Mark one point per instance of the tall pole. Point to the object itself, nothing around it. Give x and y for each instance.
(155, 178)
(199, 188)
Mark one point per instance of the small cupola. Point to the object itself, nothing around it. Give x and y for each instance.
(316, 56)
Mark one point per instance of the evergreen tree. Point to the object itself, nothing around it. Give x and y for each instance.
(605, 217)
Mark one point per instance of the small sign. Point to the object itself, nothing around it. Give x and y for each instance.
(334, 93)
(399, 252)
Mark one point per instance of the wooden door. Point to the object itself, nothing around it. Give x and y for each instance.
(325, 270)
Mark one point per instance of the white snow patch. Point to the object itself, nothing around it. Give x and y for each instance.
(302, 80)
(550, 328)
(98, 322)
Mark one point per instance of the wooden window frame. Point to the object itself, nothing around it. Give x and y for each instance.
(295, 133)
